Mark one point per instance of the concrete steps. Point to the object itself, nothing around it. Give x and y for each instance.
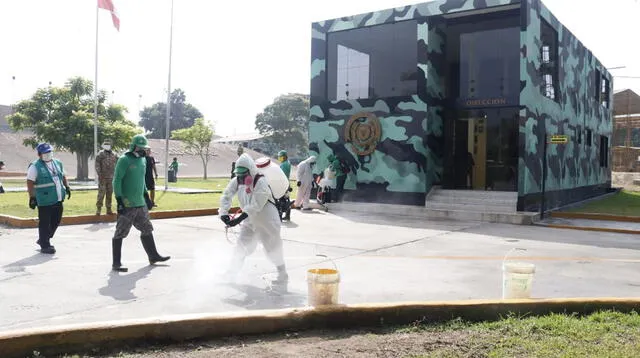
(472, 201)
(464, 205)
(472, 205)
(421, 212)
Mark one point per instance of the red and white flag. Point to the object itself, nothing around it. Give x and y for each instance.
(108, 5)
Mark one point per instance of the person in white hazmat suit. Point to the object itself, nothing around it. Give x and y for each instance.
(259, 217)
(305, 182)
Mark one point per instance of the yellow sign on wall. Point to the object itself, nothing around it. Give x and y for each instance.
(559, 139)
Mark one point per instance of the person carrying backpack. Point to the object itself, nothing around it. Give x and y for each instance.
(341, 169)
(260, 219)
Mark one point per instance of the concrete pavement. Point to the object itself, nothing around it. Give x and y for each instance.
(594, 224)
(380, 258)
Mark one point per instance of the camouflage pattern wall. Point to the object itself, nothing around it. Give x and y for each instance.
(408, 159)
(573, 171)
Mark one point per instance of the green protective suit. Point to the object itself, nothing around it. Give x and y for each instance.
(286, 168)
(128, 180)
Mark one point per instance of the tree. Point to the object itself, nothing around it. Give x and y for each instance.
(285, 122)
(183, 115)
(197, 141)
(63, 116)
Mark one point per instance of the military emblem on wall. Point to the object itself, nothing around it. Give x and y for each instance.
(363, 132)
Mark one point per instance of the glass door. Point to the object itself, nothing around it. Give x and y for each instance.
(502, 149)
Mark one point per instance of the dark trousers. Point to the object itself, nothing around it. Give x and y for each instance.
(49, 218)
(340, 180)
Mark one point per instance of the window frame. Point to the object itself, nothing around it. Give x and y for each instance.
(332, 95)
(604, 151)
(549, 68)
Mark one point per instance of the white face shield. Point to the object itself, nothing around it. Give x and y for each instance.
(47, 157)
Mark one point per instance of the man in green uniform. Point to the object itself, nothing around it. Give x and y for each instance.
(133, 203)
(284, 163)
(341, 171)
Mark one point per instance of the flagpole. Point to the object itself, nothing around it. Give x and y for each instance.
(167, 127)
(95, 100)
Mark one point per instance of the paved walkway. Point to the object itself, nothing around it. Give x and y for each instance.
(606, 224)
(381, 259)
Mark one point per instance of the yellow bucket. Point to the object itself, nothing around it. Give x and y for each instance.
(322, 286)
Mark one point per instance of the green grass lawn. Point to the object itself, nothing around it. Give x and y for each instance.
(210, 184)
(194, 183)
(84, 203)
(13, 183)
(603, 334)
(623, 203)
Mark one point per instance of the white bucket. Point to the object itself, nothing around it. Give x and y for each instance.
(323, 286)
(517, 278)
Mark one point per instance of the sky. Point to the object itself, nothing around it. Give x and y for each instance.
(232, 59)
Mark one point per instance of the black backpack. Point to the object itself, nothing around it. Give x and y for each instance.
(344, 167)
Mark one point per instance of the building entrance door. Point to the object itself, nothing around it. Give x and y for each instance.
(483, 150)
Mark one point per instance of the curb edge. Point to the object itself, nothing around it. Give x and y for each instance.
(83, 337)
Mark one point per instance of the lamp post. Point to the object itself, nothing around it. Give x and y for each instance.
(167, 125)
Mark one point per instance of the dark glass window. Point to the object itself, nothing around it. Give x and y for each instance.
(604, 92)
(598, 90)
(490, 68)
(373, 62)
(549, 61)
(588, 137)
(604, 151)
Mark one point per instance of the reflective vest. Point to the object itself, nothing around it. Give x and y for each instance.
(46, 192)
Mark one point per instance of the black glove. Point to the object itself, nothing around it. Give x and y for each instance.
(238, 220)
(148, 201)
(299, 183)
(120, 205)
(225, 219)
(32, 202)
(68, 192)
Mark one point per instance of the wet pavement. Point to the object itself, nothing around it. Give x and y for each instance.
(606, 224)
(381, 258)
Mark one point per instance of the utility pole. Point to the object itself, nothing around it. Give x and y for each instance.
(167, 124)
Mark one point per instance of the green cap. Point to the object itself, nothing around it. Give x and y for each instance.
(139, 141)
(282, 153)
(241, 170)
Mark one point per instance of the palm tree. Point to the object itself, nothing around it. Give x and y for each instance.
(79, 87)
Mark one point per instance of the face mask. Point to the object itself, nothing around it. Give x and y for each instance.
(106, 147)
(141, 152)
(47, 157)
(245, 180)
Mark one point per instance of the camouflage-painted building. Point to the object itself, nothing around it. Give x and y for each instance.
(460, 94)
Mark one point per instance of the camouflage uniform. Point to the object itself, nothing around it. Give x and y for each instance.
(136, 217)
(105, 166)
